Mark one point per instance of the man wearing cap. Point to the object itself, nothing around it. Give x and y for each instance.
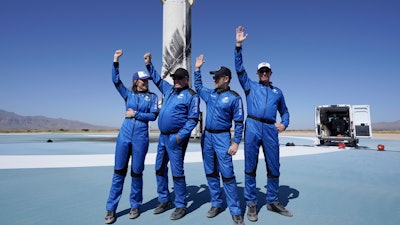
(133, 139)
(179, 115)
(263, 103)
(223, 106)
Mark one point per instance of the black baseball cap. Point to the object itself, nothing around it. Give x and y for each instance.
(180, 73)
(222, 71)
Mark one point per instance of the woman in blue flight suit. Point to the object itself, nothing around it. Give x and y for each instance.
(141, 107)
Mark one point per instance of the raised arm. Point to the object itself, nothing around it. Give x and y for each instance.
(123, 91)
(240, 70)
(198, 84)
(161, 84)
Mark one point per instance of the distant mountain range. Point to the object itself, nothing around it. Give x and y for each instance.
(13, 121)
(386, 125)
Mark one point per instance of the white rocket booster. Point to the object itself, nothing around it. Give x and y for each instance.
(177, 37)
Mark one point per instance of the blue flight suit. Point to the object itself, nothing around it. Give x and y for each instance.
(222, 106)
(132, 142)
(263, 103)
(178, 116)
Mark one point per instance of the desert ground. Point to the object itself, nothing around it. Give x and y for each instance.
(376, 134)
(387, 135)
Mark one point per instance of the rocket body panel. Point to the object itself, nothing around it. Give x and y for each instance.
(177, 38)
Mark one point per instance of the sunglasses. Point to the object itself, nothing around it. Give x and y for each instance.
(262, 71)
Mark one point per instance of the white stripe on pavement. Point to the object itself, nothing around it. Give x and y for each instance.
(63, 161)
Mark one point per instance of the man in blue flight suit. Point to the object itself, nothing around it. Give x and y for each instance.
(133, 139)
(178, 116)
(263, 103)
(223, 106)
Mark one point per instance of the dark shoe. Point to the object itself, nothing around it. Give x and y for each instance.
(134, 213)
(237, 220)
(213, 212)
(161, 207)
(110, 217)
(178, 213)
(278, 208)
(252, 212)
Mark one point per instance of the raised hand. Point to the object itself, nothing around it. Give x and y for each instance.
(199, 61)
(240, 36)
(147, 58)
(118, 53)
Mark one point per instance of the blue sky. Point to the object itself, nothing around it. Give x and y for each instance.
(56, 56)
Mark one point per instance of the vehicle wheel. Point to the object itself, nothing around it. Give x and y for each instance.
(321, 142)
